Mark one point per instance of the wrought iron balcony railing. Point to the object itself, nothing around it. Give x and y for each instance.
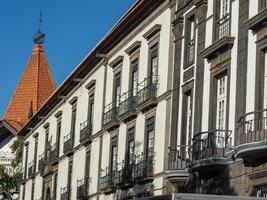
(144, 165)
(110, 113)
(107, 180)
(252, 127)
(223, 27)
(124, 174)
(179, 157)
(147, 89)
(127, 103)
(211, 144)
(31, 170)
(82, 188)
(40, 162)
(64, 194)
(85, 131)
(53, 154)
(68, 143)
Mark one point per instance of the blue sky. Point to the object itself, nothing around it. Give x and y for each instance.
(72, 28)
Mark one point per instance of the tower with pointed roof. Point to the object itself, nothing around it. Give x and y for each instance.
(34, 88)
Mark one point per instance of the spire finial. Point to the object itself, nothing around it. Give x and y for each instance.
(39, 37)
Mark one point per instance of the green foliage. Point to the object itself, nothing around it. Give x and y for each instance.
(17, 149)
(9, 184)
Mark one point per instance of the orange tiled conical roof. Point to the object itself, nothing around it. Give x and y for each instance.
(35, 86)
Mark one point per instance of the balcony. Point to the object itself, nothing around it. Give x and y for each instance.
(85, 132)
(107, 181)
(209, 151)
(252, 138)
(31, 170)
(223, 27)
(64, 194)
(147, 93)
(68, 145)
(178, 164)
(110, 117)
(127, 106)
(125, 174)
(40, 162)
(144, 167)
(53, 155)
(82, 188)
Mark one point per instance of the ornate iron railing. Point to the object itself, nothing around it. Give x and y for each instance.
(82, 188)
(53, 154)
(64, 194)
(68, 143)
(147, 89)
(127, 102)
(144, 165)
(110, 113)
(179, 157)
(107, 180)
(252, 127)
(85, 130)
(211, 144)
(124, 174)
(223, 27)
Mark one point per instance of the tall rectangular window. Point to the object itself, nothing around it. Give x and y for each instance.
(70, 178)
(73, 121)
(134, 77)
(190, 41)
(46, 141)
(221, 107)
(114, 153)
(117, 89)
(150, 136)
(58, 135)
(55, 185)
(87, 164)
(153, 70)
(188, 118)
(35, 154)
(26, 162)
(130, 146)
(91, 110)
(33, 187)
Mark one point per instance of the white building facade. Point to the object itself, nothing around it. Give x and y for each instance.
(158, 106)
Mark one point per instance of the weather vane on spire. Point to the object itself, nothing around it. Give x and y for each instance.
(39, 37)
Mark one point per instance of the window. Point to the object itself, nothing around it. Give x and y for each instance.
(117, 89)
(58, 135)
(188, 118)
(46, 141)
(260, 191)
(87, 164)
(150, 134)
(153, 70)
(91, 110)
(134, 77)
(26, 162)
(33, 186)
(221, 107)
(55, 185)
(35, 153)
(223, 19)
(73, 121)
(70, 178)
(114, 153)
(262, 4)
(130, 146)
(190, 41)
